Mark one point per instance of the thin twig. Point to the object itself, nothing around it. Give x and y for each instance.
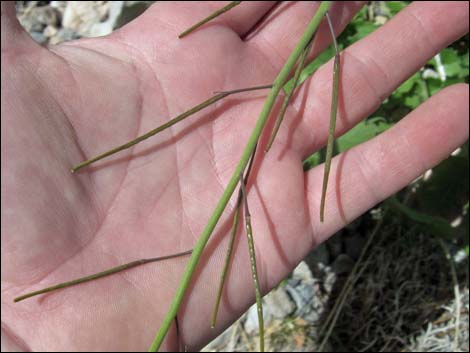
(210, 17)
(166, 125)
(98, 275)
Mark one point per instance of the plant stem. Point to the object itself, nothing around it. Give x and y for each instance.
(105, 273)
(254, 270)
(172, 122)
(233, 232)
(240, 90)
(210, 17)
(289, 95)
(334, 109)
(206, 233)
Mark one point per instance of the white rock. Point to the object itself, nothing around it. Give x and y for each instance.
(82, 16)
(50, 31)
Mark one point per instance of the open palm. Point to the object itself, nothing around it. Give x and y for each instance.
(70, 102)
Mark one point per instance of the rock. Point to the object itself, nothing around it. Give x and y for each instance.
(46, 15)
(38, 37)
(278, 304)
(106, 27)
(222, 341)
(50, 31)
(63, 35)
(251, 322)
(60, 5)
(59, 21)
(301, 288)
(302, 272)
(30, 25)
(82, 16)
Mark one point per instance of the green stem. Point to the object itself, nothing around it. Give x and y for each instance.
(233, 232)
(334, 109)
(210, 17)
(206, 233)
(172, 122)
(108, 272)
(289, 95)
(254, 270)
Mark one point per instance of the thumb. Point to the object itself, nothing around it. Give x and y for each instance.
(13, 37)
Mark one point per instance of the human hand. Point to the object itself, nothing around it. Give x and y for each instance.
(67, 103)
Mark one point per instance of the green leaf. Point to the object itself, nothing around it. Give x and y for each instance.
(455, 66)
(395, 6)
(435, 225)
(365, 28)
(412, 101)
(408, 85)
(312, 161)
(451, 62)
(362, 132)
(362, 29)
(435, 84)
(446, 191)
(464, 59)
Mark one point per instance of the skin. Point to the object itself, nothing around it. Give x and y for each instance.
(69, 102)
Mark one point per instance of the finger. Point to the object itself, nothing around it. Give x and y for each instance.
(14, 38)
(372, 68)
(183, 15)
(278, 34)
(367, 174)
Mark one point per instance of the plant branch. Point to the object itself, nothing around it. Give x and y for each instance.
(166, 125)
(210, 17)
(98, 275)
(206, 233)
